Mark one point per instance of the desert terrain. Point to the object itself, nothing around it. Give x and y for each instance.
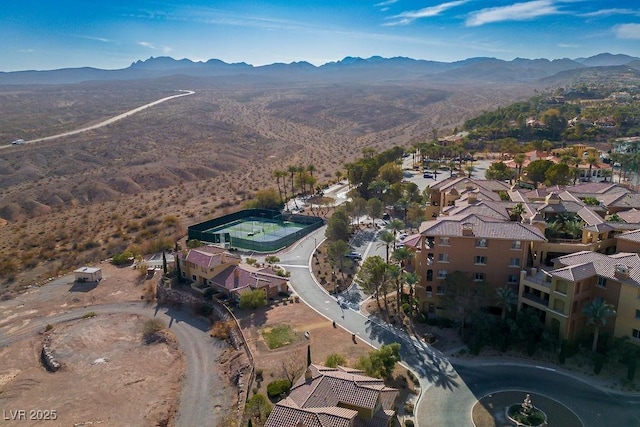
(139, 182)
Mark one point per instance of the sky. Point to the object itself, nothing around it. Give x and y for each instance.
(111, 34)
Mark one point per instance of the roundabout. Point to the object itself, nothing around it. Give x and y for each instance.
(491, 410)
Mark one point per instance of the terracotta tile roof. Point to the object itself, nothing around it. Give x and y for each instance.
(599, 228)
(483, 227)
(412, 240)
(209, 256)
(631, 236)
(593, 188)
(585, 264)
(589, 216)
(490, 209)
(246, 276)
(626, 200)
(319, 400)
(632, 215)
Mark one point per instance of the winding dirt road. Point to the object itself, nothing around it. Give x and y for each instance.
(108, 121)
(200, 393)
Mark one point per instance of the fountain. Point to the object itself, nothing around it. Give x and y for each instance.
(525, 414)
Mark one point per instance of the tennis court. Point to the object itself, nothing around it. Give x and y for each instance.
(259, 230)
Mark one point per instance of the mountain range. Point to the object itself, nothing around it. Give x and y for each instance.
(349, 69)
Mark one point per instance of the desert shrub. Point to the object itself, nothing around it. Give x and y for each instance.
(48, 328)
(89, 315)
(408, 423)
(193, 243)
(334, 360)
(279, 336)
(253, 299)
(277, 388)
(123, 258)
(251, 261)
(151, 329)
(222, 330)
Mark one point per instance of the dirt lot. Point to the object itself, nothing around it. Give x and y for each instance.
(108, 375)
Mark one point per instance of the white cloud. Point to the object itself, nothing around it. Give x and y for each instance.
(100, 39)
(609, 12)
(165, 49)
(568, 46)
(385, 3)
(514, 12)
(428, 12)
(627, 31)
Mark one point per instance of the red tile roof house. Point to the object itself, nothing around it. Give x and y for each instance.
(335, 397)
(214, 267)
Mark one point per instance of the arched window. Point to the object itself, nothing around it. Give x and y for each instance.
(429, 275)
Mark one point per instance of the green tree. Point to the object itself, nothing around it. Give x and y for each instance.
(537, 169)
(499, 171)
(558, 174)
(337, 251)
(380, 363)
(373, 276)
(258, 408)
(374, 208)
(507, 300)
(334, 360)
(338, 226)
(387, 239)
(462, 296)
(266, 199)
(395, 225)
(390, 173)
(597, 312)
(253, 299)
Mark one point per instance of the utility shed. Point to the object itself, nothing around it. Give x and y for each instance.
(88, 274)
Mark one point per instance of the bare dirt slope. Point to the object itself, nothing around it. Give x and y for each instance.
(88, 196)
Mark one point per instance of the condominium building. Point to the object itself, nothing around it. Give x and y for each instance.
(560, 293)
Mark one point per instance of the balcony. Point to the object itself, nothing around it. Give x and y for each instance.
(536, 298)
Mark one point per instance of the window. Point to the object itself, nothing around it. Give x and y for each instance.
(638, 314)
(443, 257)
(516, 244)
(636, 334)
(442, 274)
(429, 291)
(444, 241)
(561, 287)
(512, 279)
(478, 277)
(514, 262)
(481, 243)
(602, 282)
(429, 275)
(440, 290)
(194, 278)
(481, 259)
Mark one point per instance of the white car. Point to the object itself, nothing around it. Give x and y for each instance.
(18, 142)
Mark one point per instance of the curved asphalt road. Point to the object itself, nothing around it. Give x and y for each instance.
(448, 393)
(199, 394)
(108, 121)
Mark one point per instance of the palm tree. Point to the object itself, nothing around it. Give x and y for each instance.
(277, 174)
(470, 169)
(597, 311)
(311, 169)
(519, 159)
(292, 171)
(507, 299)
(411, 278)
(592, 160)
(387, 239)
(395, 225)
(516, 212)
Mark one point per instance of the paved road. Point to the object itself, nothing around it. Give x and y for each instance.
(108, 121)
(449, 393)
(199, 393)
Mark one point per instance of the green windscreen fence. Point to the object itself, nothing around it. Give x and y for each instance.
(258, 230)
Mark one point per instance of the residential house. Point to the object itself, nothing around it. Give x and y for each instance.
(335, 397)
(211, 267)
(560, 293)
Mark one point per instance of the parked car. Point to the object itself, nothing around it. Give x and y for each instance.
(427, 175)
(354, 256)
(18, 142)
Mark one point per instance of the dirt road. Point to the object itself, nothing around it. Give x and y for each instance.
(200, 392)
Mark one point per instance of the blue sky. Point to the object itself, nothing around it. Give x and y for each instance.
(50, 34)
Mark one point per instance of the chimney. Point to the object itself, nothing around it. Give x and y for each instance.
(467, 229)
(621, 271)
(472, 197)
(308, 375)
(236, 277)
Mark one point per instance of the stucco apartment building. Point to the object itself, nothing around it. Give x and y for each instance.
(560, 293)
(488, 250)
(336, 397)
(475, 231)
